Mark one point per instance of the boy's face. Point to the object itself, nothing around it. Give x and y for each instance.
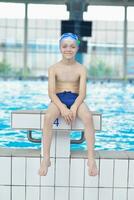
(68, 48)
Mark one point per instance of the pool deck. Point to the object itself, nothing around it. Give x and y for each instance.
(101, 154)
(67, 177)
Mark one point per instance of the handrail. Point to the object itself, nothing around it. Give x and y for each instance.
(31, 139)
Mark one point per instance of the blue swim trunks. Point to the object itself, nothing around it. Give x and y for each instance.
(68, 98)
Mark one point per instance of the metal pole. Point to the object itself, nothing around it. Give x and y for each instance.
(25, 40)
(125, 46)
(76, 9)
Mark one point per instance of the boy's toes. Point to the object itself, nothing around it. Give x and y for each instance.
(92, 168)
(44, 168)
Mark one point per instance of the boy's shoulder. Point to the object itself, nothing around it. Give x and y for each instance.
(81, 67)
(53, 67)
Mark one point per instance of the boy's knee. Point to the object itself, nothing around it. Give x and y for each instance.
(88, 118)
(48, 118)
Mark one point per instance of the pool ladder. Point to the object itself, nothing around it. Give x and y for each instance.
(31, 139)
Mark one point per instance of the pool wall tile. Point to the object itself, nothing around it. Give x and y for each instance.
(76, 172)
(120, 194)
(5, 166)
(105, 194)
(91, 193)
(49, 180)
(130, 194)
(91, 181)
(18, 171)
(32, 167)
(76, 193)
(18, 192)
(106, 173)
(62, 172)
(47, 193)
(5, 192)
(66, 178)
(131, 173)
(32, 193)
(61, 193)
(121, 173)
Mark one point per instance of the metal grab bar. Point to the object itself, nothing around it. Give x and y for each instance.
(81, 140)
(31, 139)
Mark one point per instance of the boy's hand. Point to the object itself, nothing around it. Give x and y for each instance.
(66, 114)
(74, 110)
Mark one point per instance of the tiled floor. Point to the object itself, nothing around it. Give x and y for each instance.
(67, 177)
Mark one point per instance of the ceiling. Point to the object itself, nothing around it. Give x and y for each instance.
(90, 2)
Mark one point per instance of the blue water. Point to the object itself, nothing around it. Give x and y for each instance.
(114, 100)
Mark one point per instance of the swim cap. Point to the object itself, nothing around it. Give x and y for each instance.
(70, 35)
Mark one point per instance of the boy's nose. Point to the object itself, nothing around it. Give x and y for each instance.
(68, 49)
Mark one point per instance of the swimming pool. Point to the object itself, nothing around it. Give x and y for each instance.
(115, 100)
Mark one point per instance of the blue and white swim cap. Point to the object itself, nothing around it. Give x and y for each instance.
(70, 35)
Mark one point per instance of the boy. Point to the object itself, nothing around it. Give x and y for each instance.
(67, 91)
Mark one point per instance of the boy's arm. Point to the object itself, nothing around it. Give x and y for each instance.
(51, 88)
(82, 88)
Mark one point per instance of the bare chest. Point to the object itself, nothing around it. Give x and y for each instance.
(67, 75)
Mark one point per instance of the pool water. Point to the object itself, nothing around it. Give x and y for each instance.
(115, 100)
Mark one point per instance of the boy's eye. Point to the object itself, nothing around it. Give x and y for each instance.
(64, 46)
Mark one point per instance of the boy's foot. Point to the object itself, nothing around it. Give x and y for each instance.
(44, 167)
(92, 167)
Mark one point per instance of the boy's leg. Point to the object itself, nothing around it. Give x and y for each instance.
(85, 115)
(51, 114)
